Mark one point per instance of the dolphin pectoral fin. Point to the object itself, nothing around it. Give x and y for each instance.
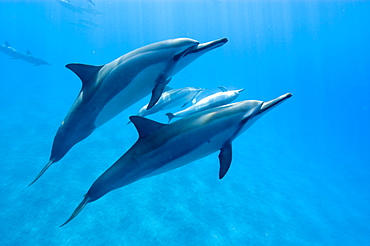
(77, 210)
(85, 72)
(145, 126)
(225, 157)
(161, 82)
(42, 171)
(223, 89)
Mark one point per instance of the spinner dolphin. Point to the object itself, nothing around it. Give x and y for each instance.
(172, 98)
(162, 148)
(109, 89)
(212, 101)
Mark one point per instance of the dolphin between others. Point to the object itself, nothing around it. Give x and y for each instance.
(212, 101)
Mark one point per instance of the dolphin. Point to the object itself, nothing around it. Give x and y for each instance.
(81, 25)
(28, 57)
(89, 23)
(67, 4)
(15, 54)
(214, 100)
(109, 89)
(170, 99)
(90, 1)
(10, 51)
(90, 10)
(162, 148)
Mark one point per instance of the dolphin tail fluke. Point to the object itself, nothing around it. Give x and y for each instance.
(79, 208)
(170, 116)
(42, 171)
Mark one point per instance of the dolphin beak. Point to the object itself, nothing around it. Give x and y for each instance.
(210, 45)
(240, 90)
(270, 104)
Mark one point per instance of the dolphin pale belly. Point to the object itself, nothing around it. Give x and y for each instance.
(212, 101)
(109, 89)
(162, 148)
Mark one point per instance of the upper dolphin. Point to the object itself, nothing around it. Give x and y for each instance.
(109, 89)
(217, 99)
(162, 148)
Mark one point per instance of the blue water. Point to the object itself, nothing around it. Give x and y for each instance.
(300, 175)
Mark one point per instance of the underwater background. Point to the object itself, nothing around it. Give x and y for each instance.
(300, 175)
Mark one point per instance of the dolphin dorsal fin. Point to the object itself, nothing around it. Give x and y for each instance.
(28, 52)
(85, 72)
(222, 88)
(6, 44)
(144, 126)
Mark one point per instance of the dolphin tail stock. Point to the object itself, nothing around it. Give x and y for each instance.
(170, 116)
(42, 171)
(79, 208)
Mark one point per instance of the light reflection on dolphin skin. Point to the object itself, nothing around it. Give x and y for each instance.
(109, 89)
(162, 148)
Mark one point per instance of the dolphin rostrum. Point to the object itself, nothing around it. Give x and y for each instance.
(109, 89)
(162, 148)
(212, 101)
(170, 99)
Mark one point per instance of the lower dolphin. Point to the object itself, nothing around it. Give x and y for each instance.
(162, 148)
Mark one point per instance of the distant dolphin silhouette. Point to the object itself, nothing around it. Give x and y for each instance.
(90, 1)
(10, 51)
(109, 89)
(89, 23)
(162, 148)
(67, 4)
(90, 10)
(212, 101)
(171, 98)
(27, 57)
